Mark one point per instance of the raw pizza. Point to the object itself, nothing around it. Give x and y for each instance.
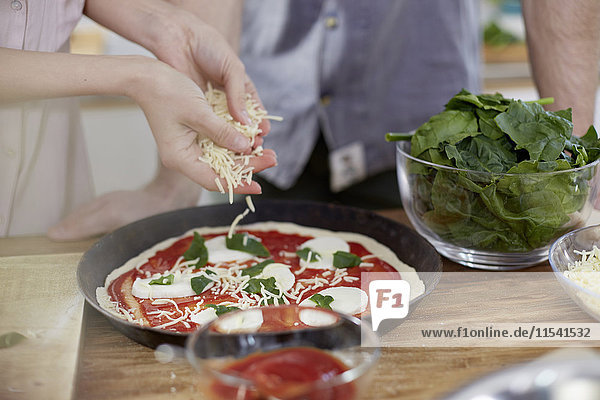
(188, 281)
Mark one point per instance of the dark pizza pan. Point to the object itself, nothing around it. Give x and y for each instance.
(114, 249)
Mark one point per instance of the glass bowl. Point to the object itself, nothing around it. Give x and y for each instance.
(566, 251)
(283, 352)
(493, 221)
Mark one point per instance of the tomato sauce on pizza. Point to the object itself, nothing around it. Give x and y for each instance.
(179, 288)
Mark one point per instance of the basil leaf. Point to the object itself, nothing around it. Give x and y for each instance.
(197, 250)
(243, 242)
(303, 254)
(199, 283)
(343, 259)
(163, 280)
(220, 310)
(254, 286)
(321, 301)
(10, 339)
(256, 269)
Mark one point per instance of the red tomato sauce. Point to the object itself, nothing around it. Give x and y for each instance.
(286, 374)
(280, 245)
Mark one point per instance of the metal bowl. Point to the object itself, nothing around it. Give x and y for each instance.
(577, 378)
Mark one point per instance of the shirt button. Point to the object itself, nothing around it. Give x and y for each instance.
(325, 100)
(331, 22)
(10, 152)
(16, 5)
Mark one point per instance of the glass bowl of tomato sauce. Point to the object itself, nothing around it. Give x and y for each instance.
(283, 352)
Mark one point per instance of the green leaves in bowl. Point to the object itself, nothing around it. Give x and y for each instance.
(514, 180)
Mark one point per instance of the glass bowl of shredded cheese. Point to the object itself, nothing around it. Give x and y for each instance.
(575, 259)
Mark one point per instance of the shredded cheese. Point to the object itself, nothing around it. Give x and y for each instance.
(586, 272)
(230, 166)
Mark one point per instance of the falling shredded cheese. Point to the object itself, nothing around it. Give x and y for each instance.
(230, 166)
(250, 204)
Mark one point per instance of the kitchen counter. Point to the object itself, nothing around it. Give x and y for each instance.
(72, 351)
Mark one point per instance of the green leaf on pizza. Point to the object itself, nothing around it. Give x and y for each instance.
(243, 242)
(220, 309)
(197, 250)
(163, 280)
(322, 301)
(306, 252)
(343, 259)
(255, 286)
(199, 283)
(256, 269)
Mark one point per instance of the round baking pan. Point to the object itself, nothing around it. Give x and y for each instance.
(114, 249)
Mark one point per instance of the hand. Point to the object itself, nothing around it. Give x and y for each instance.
(202, 53)
(178, 114)
(168, 191)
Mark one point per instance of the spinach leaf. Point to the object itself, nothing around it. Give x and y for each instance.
(163, 280)
(197, 250)
(487, 124)
(448, 127)
(541, 133)
(243, 242)
(10, 339)
(256, 269)
(343, 259)
(466, 101)
(322, 301)
(482, 154)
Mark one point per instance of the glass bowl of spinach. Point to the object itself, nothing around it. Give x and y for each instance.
(492, 182)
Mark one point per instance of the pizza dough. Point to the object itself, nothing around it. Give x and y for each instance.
(287, 280)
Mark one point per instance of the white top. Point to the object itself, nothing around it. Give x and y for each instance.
(44, 170)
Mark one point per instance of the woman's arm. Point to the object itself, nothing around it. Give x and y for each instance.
(181, 39)
(174, 105)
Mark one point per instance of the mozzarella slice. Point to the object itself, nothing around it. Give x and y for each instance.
(181, 287)
(218, 251)
(282, 274)
(205, 316)
(317, 317)
(346, 300)
(325, 246)
(242, 321)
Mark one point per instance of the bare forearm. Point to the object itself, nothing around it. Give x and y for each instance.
(30, 75)
(563, 39)
(145, 22)
(223, 15)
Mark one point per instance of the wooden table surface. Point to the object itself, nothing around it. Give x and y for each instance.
(108, 365)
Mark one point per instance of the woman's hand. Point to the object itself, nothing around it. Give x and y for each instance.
(179, 116)
(201, 53)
